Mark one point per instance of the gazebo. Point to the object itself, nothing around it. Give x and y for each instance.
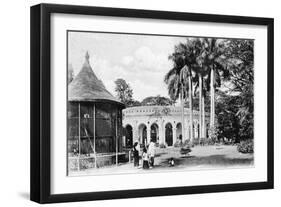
(94, 122)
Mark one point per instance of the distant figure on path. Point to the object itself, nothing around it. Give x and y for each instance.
(136, 154)
(171, 162)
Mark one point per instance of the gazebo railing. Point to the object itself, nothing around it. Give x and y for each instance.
(82, 162)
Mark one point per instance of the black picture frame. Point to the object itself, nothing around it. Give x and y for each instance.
(41, 99)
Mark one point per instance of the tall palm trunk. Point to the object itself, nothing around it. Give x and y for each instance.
(200, 106)
(203, 130)
(190, 105)
(212, 121)
(182, 114)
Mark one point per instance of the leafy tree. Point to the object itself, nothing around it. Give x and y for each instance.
(157, 101)
(134, 103)
(241, 62)
(235, 106)
(124, 92)
(227, 122)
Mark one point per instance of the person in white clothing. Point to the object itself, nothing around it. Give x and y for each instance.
(151, 153)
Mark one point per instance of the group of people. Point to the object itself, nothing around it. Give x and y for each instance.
(148, 154)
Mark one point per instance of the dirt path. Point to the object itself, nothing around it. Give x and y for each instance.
(201, 157)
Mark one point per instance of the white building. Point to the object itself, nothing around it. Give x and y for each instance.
(163, 124)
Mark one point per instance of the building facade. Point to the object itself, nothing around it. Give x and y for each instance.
(162, 124)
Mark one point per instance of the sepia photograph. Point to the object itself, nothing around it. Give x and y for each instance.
(144, 103)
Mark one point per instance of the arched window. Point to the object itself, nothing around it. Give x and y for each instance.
(169, 134)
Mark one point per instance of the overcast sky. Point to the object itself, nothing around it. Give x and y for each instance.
(142, 60)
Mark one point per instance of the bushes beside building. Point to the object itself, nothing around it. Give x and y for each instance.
(202, 142)
(162, 145)
(246, 146)
(206, 141)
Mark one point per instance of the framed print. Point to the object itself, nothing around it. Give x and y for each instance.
(133, 103)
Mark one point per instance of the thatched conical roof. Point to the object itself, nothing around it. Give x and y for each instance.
(87, 87)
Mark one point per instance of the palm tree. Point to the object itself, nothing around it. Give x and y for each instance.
(205, 90)
(199, 87)
(186, 83)
(215, 64)
(201, 76)
(199, 70)
(179, 78)
(190, 103)
(175, 88)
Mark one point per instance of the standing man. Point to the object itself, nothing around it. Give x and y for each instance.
(151, 153)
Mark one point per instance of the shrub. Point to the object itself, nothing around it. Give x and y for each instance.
(185, 150)
(246, 146)
(195, 142)
(213, 133)
(229, 142)
(206, 141)
(178, 143)
(87, 163)
(162, 145)
(186, 143)
(73, 164)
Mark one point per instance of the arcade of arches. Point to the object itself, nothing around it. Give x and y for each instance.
(162, 124)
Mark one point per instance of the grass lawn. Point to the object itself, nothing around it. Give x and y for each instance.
(201, 157)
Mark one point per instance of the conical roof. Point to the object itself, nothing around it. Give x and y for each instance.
(87, 87)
